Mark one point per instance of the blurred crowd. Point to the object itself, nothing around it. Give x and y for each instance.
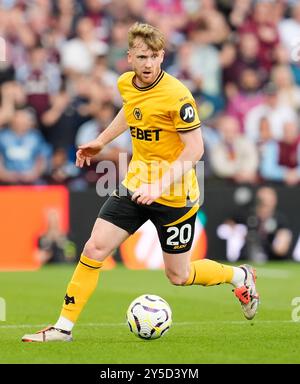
(62, 59)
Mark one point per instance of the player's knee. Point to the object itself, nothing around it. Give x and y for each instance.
(176, 278)
(95, 250)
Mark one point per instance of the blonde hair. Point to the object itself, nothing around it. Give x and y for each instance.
(150, 35)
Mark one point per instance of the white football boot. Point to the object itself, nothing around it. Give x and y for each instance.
(247, 294)
(48, 334)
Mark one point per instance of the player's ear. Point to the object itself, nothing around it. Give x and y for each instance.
(129, 57)
(162, 55)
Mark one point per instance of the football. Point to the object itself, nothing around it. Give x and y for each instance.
(149, 317)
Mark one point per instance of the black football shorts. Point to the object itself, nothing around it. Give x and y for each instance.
(175, 226)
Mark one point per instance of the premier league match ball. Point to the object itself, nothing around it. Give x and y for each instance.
(149, 317)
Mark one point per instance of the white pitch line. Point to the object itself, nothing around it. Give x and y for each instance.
(210, 322)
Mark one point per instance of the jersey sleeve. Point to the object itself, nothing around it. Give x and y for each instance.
(184, 114)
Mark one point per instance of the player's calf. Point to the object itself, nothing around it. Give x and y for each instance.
(177, 278)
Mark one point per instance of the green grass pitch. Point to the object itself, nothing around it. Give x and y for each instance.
(208, 325)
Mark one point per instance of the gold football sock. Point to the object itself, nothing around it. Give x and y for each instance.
(82, 285)
(209, 272)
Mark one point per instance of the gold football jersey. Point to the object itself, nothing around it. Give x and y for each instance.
(156, 114)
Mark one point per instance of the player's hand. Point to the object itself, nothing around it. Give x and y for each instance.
(147, 193)
(87, 151)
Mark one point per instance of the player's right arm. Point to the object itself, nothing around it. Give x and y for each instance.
(87, 151)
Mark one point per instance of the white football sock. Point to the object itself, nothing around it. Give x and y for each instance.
(64, 323)
(238, 278)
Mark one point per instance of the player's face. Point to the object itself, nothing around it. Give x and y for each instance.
(145, 63)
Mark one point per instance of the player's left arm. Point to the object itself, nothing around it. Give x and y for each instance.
(190, 155)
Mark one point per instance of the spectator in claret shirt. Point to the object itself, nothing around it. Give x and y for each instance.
(280, 160)
(216, 30)
(97, 12)
(248, 96)
(262, 23)
(245, 57)
(40, 79)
